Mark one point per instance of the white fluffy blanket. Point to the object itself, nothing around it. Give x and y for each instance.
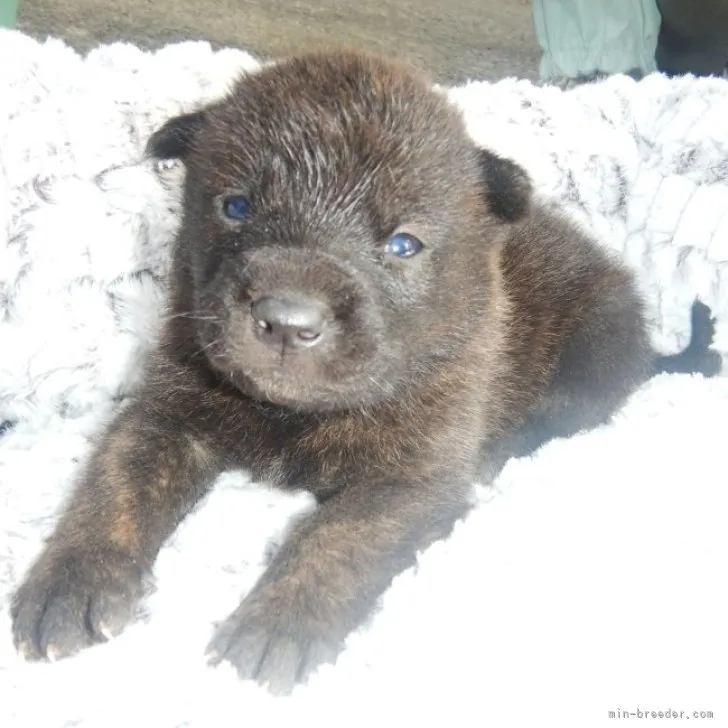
(591, 579)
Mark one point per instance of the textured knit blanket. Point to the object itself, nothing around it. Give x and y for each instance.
(591, 578)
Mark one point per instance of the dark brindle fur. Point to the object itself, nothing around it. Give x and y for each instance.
(300, 348)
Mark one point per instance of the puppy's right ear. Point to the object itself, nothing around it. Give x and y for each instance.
(174, 139)
(508, 188)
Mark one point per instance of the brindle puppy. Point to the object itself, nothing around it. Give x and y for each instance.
(364, 305)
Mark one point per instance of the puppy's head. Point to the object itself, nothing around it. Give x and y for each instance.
(337, 225)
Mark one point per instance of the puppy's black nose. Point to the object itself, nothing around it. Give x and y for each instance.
(292, 322)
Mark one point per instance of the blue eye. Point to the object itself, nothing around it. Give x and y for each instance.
(236, 207)
(403, 245)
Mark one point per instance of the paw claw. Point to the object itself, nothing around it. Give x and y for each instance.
(213, 658)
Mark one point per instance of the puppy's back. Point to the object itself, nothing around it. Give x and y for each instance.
(576, 342)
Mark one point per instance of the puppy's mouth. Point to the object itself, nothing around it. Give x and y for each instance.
(282, 388)
(288, 383)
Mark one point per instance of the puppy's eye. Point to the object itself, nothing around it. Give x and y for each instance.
(236, 207)
(403, 245)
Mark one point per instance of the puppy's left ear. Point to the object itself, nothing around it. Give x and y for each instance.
(174, 139)
(508, 188)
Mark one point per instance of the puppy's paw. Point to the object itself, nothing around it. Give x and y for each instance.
(272, 648)
(74, 599)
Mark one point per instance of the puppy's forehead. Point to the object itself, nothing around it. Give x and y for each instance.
(334, 111)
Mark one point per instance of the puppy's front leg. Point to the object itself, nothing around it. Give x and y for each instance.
(143, 478)
(329, 573)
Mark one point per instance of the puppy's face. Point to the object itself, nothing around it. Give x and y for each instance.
(336, 229)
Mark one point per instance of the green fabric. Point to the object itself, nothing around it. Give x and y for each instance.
(8, 8)
(581, 37)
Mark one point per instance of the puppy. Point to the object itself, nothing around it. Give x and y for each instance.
(365, 305)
